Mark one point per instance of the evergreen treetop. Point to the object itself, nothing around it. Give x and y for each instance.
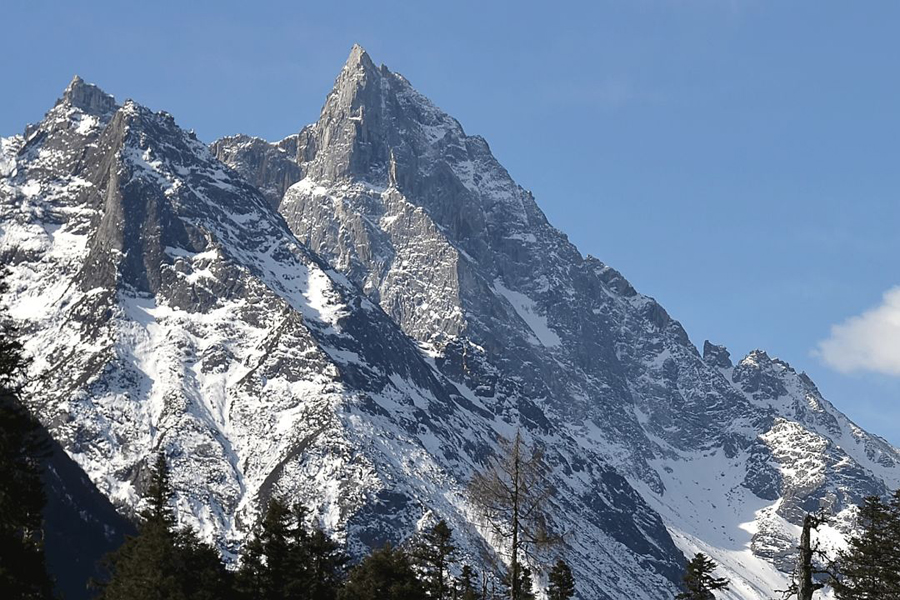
(869, 568)
(433, 554)
(562, 582)
(467, 584)
(699, 581)
(385, 574)
(162, 563)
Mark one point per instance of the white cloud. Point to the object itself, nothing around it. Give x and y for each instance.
(868, 342)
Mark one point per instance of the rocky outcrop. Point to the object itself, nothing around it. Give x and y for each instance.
(425, 220)
(717, 356)
(272, 168)
(169, 307)
(362, 348)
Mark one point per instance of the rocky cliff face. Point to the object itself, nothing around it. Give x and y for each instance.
(272, 168)
(351, 318)
(430, 226)
(168, 306)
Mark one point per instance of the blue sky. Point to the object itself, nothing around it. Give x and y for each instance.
(737, 160)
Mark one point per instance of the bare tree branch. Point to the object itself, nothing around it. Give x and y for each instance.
(512, 494)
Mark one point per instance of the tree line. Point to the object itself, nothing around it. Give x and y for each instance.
(284, 557)
(867, 569)
(286, 560)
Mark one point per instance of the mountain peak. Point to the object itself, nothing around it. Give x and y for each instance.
(358, 59)
(760, 359)
(716, 355)
(88, 97)
(351, 123)
(358, 70)
(76, 82)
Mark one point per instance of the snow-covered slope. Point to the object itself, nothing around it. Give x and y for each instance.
(394, 194)
(352, 317)
(168, 306)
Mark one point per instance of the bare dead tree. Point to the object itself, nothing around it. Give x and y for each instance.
(512, 494)
(804, 584)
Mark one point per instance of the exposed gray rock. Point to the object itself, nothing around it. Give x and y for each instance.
(88, 98)
(362, 348)
(272, 168)
(423, 218)
(175, 310)
(717, 356)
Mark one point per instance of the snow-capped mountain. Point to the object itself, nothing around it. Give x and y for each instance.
(352, 316)
(167, 305)
(394, 194)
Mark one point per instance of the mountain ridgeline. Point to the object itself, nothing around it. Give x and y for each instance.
(352, 317)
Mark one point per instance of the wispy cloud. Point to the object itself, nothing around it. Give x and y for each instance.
(867, 342)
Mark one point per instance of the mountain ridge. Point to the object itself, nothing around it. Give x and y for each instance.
(438, 310)
(178, 300)
(661, 401)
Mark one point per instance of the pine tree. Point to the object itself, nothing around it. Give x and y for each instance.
(23, 572)
(276, 531)
(869, 569)
(203, 575)
(433, 554)
(296, 587)
(266, 564)
(250, 576)
(147, 567)
(12, 363)
(512, 494)
(326, 566)
(892, 548)
(467, 584)
(386, 574)
(159, 496)
(562, 582)
(285, 560)
(699, 582)
(526, 585)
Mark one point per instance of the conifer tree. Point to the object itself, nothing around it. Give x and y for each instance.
(23, 572)
(285, 560)
(433, 554)
(159, 496)
(526, 584)
(699, 581)
(297, 584)
(386, 574)
(12, 363)
(325, 568)
(147, 567)
(562, 582)
(869, 569)
(266, 563)
(467, 584)
(250, 576)
(892, 549)
(203, 574)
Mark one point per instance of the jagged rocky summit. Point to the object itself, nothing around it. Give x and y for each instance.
(352, 316)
